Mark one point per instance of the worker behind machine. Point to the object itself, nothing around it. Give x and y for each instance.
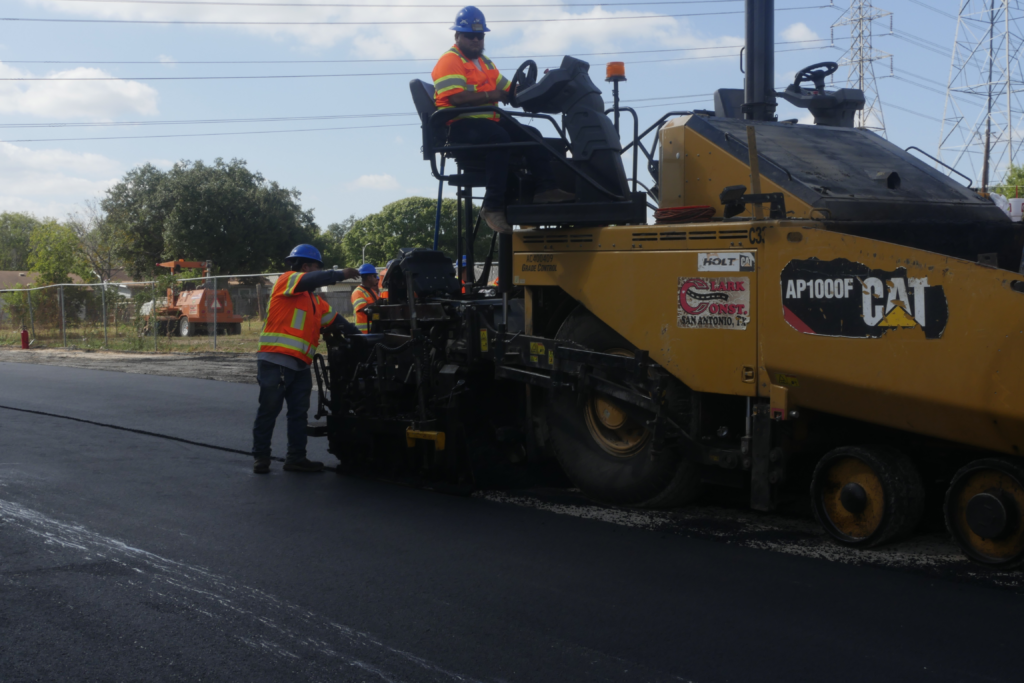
(288, 343)
(364, 295)
(464, 77)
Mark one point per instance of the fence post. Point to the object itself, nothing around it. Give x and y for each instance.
(103, 293)
(31, 320)
(216, 305)
(63, 324)
(152, 317)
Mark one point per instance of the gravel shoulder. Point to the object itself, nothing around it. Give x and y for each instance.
(222, 367)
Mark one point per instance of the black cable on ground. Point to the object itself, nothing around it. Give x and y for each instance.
(139, 431)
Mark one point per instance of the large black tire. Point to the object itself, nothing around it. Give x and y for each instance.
(984, 511)
(622, 466)
(885, 502)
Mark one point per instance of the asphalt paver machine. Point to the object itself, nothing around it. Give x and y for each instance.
(849, 321)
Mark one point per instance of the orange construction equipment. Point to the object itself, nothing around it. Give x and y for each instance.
(195, 311)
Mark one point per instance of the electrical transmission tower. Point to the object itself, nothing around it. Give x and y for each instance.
(982, 99)
(861, 58)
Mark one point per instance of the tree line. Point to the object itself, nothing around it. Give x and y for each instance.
(222, 212)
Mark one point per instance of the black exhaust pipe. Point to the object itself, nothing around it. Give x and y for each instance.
(759, 86)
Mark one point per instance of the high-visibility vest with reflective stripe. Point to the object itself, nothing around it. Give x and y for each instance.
(383, 290)
(361, 298)
(294, 320)
(454, 74)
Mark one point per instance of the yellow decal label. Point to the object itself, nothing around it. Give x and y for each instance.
(536, 349)
(551, 357)
(534, 359)
(786, 380)
(483, 340)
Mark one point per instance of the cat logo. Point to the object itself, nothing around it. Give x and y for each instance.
(841, 298)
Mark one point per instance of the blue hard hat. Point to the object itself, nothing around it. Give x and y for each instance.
(463, 260)
(307, 251)
(367, 269)
(470, 20)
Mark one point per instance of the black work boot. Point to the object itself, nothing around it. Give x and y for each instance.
(261, 465)
(304, 465)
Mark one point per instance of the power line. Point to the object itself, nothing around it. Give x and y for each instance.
(379, 6)
(890, 105)
(916, 2)
(297, 76)
(399, 59)
(201, 135)
(196, 22)
(194, 122)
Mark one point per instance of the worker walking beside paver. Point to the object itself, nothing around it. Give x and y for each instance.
(364, 295)
(288, 342)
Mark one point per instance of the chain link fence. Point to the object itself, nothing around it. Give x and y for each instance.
(218, 313)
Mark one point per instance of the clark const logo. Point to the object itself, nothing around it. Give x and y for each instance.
(841, 298)
(716, 303)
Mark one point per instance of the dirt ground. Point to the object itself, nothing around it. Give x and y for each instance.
(223, 367)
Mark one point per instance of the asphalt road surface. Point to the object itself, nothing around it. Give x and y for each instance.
(128, 556)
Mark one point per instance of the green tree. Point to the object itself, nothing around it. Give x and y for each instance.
(236, 218)
(15, 231)
(329, 242)
(135, 218)
(55, 254)
(408, 222)
(1013, 183)
(97, 241)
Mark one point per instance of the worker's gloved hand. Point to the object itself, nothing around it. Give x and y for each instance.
(345, 274)
(347, 328)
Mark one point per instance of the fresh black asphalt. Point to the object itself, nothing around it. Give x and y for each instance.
(127, 557)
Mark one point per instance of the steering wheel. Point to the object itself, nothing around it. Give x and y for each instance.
(816, 73)
(526, 75)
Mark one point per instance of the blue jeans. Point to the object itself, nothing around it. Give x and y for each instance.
(278, 385)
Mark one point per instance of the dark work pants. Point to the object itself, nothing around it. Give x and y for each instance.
(279, 385)
(482, 132)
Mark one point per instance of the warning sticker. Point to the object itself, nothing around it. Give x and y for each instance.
(841, 298)
(714, 303)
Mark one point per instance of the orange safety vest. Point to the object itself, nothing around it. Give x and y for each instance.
(453, 74)
(294, 320)
(361, 298)
(380, 280)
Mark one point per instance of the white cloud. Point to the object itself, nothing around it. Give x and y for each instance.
(370, 39)
(69, 99)
(376, 182)
(165, 59)
(798, 32)
(51, 181)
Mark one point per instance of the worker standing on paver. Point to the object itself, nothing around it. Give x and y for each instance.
(364, 295)
(288, 342)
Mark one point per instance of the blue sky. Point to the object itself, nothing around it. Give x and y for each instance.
(377, 160)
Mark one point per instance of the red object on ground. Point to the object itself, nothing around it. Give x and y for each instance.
(24, 338)
(683, 214)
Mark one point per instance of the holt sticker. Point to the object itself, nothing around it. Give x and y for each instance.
(841, 298)
(714, 303)
(724, 261)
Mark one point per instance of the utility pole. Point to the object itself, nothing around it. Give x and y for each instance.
(982, 96)
(364, 250)
(861, 58)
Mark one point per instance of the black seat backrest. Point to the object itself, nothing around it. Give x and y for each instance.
(423, 98)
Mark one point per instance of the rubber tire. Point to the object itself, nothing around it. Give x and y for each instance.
(901, 484)
(185, 329)
(1013, 467)
(658, 476)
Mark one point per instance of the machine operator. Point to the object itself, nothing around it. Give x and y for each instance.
(364, 295)
(288, 343)
(464, 77)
